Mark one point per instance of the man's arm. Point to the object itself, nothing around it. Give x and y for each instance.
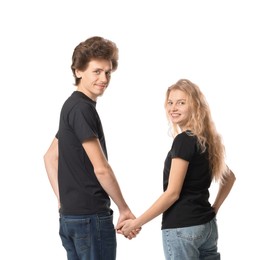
(106, 177)
(51, 165)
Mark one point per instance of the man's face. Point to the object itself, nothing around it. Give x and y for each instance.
(95, 79)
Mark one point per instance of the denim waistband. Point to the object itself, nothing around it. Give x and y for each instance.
(100, 214)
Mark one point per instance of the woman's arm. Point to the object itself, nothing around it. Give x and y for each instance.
(224, 189)
(176, 179)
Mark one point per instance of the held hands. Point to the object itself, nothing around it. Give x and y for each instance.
(128, 228)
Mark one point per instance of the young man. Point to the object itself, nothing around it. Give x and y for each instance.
(76, 161)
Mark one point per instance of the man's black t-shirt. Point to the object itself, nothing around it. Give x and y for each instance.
(80, 191)
(193, 207)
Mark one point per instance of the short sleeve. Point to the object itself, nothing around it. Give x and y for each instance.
(84, 120)
(183, 146)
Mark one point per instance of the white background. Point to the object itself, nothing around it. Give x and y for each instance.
(225, 47)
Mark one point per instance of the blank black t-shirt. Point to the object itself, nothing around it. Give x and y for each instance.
(192, 207)
(80, 191)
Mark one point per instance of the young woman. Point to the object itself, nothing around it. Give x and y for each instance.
(196, 158)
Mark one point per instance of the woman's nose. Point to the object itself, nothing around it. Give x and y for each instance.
(174, 107)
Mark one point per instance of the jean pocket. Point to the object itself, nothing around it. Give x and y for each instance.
(191, 233)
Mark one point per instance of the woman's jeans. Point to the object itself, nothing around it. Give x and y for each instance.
(89, 237)
(191, 243)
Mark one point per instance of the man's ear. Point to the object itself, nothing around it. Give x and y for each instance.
(78, 74)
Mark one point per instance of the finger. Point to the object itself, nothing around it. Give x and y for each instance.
(136, 231)
(128, 237)
(119, 231)
(120, 225)
(132, 234)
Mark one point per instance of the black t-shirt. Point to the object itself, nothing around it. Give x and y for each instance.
(80, 191)
(193, 207)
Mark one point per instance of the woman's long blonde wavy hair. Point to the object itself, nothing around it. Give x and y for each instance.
(202, 126)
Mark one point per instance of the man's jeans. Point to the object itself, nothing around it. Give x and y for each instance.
(191, 243)
(89, 237)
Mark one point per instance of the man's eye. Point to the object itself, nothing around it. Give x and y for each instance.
(97, 72)
(108, 74)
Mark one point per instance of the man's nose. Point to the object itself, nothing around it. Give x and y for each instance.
(103, 77)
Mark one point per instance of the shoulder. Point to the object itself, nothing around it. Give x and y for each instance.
(185, 136)
(78, 102)
(183, 146)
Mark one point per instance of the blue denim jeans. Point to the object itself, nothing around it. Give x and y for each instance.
(191, 243)
(89, 237)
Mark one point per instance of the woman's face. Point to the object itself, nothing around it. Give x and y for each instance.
(177, 107)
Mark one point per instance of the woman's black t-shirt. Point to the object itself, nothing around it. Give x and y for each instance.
(193, 206)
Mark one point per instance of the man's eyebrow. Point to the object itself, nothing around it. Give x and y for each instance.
(102, 69)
